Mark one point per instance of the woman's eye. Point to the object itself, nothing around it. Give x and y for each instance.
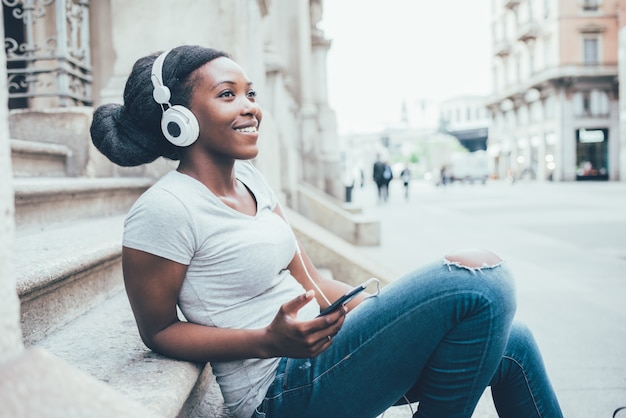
(227, 93)
(252, 93)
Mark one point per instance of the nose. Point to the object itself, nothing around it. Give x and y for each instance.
(249, 107)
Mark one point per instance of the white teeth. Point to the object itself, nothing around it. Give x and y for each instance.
(250, 129)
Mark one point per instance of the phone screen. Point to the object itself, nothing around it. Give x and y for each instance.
(347, 297)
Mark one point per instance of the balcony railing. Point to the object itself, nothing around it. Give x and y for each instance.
(590, 5)
(511, 4)
(48, 55)
(563, 74)
(528, 31)
(502, 49)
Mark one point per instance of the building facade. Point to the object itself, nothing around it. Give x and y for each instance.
(555, 103)
(467, 119)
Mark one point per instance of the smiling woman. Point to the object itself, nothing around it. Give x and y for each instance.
(210, 238)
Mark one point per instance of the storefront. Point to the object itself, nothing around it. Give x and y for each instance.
(592, 154)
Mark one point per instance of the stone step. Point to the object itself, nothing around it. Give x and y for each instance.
(69, 281)
(36, 383)
(105, 344)
(37, 159)
(40, 202)
(64, 270)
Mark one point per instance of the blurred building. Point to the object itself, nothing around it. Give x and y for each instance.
(467, 119)
(555, 103)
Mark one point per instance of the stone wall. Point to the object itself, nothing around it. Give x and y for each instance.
(11, 341)
(622, 92)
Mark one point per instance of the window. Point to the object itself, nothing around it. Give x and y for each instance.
(531, 61)
(582, 104)
(591, 103)
(535, 111)
(548, 56)
(590, 51)
(586, 103)
(599, 103)
(495, 84)
(522, 116)
(550, 107)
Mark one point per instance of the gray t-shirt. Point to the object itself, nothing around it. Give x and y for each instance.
(237, 276)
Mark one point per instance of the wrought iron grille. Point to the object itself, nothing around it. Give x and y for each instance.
(48, 56)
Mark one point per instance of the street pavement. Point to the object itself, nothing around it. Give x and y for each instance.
(566, 245)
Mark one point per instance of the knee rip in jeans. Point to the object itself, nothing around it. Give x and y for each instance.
(472, 260)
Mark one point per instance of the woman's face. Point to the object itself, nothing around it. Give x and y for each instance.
(224, 103)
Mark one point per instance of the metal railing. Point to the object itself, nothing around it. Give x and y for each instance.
(48, 53)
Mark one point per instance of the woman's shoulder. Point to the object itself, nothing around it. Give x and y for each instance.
(169, 193)
(175, 183)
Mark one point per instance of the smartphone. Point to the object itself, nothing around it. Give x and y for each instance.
(347, 297)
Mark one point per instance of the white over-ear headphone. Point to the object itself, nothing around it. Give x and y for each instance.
(178, 124)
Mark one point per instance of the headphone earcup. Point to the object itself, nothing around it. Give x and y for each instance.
(180, 126)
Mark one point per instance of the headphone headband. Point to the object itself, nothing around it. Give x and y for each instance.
(161, 92)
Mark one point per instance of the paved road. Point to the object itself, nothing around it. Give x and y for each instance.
(566, 244)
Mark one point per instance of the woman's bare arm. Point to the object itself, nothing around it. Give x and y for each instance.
(153, 284)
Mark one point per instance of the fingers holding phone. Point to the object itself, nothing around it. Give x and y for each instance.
(287, 336)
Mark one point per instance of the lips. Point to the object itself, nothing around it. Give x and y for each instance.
(247, 129)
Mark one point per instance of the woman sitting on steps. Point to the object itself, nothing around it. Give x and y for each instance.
(211, 238)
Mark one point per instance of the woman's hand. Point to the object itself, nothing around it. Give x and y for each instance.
(290, 337)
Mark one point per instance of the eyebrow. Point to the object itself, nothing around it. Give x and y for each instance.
(230, 82)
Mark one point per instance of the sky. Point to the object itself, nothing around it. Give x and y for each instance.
(386, 52)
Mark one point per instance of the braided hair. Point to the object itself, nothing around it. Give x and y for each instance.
(130, 134)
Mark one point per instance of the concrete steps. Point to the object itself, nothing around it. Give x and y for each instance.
(43, 201)
(69, 281)
(67, 244)
(74, 305)
(104, 343)
(64, 271)
(31, 159)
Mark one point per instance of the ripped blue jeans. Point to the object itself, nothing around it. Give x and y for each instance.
(439, 335)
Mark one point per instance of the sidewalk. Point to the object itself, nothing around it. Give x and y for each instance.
(566, 244)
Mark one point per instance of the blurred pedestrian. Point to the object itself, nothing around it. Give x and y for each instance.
(405, 175)
(349, 180)
(443, 174)
(387, 177)
(379, 179)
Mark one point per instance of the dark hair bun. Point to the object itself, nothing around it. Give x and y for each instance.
(117, 137)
